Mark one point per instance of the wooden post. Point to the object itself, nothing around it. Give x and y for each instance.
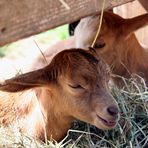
(23, 18)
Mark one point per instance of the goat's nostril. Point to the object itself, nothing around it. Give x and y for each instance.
(113, 111)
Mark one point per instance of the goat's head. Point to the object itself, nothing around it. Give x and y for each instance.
(114, 36)
(78, 81)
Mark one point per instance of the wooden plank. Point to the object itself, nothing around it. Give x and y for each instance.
(23, 18)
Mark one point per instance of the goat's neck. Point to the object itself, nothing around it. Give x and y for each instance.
(129, 56)
(56, 122)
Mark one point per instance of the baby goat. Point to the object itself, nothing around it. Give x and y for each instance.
(73, 86)
(116, 43)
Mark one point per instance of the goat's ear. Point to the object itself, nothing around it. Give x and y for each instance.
(26, 81)
(112, 20)
(133, 24)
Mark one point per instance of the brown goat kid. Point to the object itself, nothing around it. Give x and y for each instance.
(116, 43)
(73, 86)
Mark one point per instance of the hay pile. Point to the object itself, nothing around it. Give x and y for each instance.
(132, 130)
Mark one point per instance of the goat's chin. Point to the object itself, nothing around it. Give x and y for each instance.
(104, 124)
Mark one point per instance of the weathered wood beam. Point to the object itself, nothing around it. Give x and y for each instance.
(23, 18)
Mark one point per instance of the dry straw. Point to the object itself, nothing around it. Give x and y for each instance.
(99, 26)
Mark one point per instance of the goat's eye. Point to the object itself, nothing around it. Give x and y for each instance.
(99, 45)
(77, 86)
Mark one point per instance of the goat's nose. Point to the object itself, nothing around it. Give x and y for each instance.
(113, 110)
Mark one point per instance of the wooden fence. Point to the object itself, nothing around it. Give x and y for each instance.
(23, 18)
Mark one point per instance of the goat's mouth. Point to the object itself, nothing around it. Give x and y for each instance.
(108, 123)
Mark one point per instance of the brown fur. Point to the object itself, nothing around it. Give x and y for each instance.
(122, 50)
(73, 86)
(51, 51)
